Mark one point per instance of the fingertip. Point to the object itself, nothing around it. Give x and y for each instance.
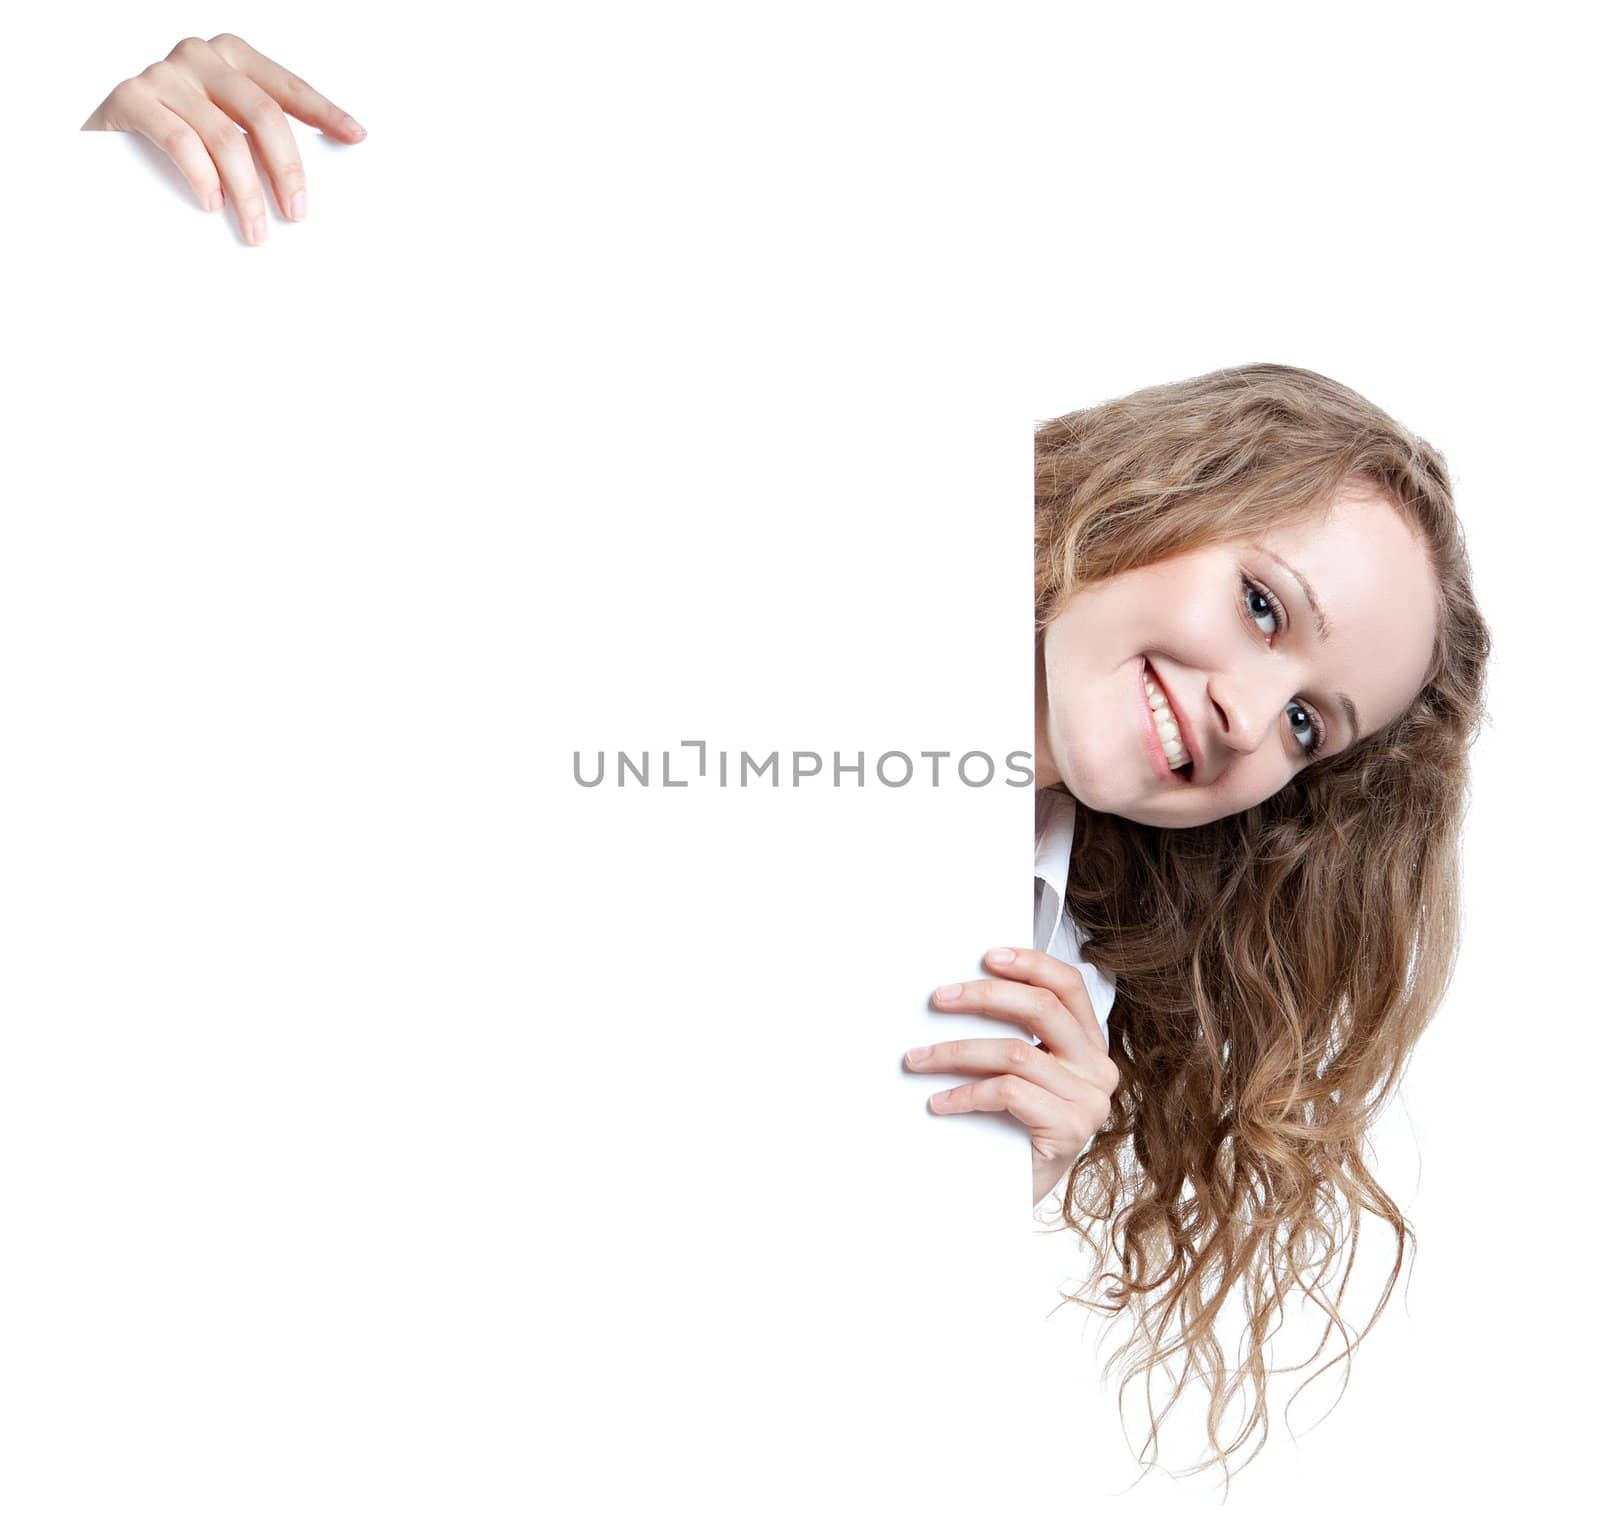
(214, 201)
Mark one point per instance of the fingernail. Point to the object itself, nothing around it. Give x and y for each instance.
(354, 127)
(297, 206)
(949, 991)
(215, 204)
(939, 1099)
(919, 1053)
(1001, 955)
(258, 231)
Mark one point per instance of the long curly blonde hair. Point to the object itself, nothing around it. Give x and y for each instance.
(1273, 969)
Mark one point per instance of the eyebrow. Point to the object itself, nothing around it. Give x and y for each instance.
(1324, 630)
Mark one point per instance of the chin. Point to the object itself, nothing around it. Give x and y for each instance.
(1097, 784)
(1166, 812)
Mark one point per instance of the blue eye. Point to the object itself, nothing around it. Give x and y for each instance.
(1301, 720)
(1267, 606)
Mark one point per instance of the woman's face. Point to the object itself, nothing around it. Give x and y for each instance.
(1248, 677)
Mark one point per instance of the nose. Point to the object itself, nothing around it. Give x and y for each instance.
(1245, 707)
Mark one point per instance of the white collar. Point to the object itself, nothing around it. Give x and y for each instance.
(1054, 813)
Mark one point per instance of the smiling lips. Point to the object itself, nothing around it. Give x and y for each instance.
(1166, 727)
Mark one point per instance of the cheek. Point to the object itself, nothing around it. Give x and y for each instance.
(1261, 776)
(1191, 615)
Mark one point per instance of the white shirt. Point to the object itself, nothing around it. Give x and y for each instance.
(1053, 932)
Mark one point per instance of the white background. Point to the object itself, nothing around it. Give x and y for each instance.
(394, 1132)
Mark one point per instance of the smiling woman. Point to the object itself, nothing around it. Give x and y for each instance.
(1181, 691)
(1259, 668)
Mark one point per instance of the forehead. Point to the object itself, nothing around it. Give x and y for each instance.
(1371, 576)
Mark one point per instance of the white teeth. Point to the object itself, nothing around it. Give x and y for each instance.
(1166, 728)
